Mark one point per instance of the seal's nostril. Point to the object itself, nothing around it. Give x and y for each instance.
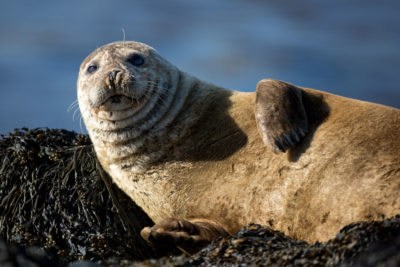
(113, 74)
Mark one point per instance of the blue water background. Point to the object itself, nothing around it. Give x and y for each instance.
(350, 48)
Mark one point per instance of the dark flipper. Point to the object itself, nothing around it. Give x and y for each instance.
(280, 114)
(189, 236)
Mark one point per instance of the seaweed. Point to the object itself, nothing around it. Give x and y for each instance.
(53, 196)
(264, 246)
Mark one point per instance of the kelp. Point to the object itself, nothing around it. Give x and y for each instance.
(260, 245)
(52, 196)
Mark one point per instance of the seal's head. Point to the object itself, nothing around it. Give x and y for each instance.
(119, 80)
(128, 96)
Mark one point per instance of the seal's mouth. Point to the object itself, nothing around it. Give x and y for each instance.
(114, 101)
(118, 99)
(117, 106)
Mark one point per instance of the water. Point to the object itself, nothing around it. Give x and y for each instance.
(350, 48)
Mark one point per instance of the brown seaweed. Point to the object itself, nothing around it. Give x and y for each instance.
(264, 246)
(51, 195)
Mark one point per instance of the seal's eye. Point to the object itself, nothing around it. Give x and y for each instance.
(92, 68)
(136, 60)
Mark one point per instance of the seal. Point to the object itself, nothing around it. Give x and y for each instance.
(203, 161)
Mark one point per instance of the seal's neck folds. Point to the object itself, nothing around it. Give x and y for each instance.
(132, 143)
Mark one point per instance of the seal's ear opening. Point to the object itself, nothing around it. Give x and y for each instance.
(280, 114)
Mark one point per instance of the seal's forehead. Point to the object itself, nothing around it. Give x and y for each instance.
(118, 49)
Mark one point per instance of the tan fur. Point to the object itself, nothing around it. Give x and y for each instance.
(214, 165)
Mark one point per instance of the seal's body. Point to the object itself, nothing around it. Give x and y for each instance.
(210, 157)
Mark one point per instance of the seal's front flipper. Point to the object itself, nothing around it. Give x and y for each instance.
(280, 114)
(188, 235)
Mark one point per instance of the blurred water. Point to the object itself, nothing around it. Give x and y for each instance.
(345, 47)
